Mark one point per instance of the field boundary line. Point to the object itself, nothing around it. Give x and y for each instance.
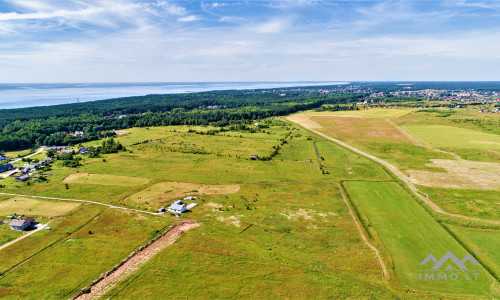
(84, 201)
(398, 173)
(363, 237)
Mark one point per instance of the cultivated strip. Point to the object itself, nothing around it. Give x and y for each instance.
(363, 237)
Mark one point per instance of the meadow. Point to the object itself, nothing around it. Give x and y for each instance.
(270, 228)
(410, 234)
(81, 256)
(444, 136)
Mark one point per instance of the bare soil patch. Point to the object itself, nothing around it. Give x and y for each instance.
(304, 120)
(137, 260)
(105, 179)
(165, 191)
(461, 174)
(121, 132)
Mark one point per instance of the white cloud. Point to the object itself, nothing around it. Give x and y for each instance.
(191, 18)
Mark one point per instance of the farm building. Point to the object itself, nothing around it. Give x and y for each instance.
(56, 148)
(22, 178)
(6, 167)
(254, 156)
(177, 207)
(192, 205)
(22, 224)
(84, 151)
(189, 198)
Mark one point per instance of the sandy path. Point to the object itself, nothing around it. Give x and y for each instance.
(138, 260)
(377, 254)
(402, 176)
(84, 201)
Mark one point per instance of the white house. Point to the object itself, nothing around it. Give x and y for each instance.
(177, 207)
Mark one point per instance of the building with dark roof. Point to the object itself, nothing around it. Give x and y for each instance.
(6, 167)
(22, 224)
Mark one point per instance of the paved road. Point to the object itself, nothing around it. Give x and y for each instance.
(402, 176)
(84, 201)
(38, 228)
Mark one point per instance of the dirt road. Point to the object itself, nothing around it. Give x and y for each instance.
(402, 176)
(137, 260)
(84, 201)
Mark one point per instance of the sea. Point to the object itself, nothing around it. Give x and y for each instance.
(18, 95)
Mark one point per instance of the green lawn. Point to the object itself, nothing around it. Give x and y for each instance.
(410, 234)
(441, 136)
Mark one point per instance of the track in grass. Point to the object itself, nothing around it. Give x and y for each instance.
(410, 234)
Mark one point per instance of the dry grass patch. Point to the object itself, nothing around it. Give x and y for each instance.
(461, 174)
(165, 191)
(103, 179)
(34, 207)
(304, 120)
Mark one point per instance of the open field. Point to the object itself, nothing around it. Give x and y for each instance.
(33, 207)
(269, 229)
(372, 112)
(103, 179)
(440, 136)
(161, 192)
(460, 174)
(478, 203)
(410, 234)
(485, 244)
(82, 256)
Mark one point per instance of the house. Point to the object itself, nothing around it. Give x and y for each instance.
(254, 157)
(27, 168)
(177, 207)
(84, 151)
(22, 178)
(3, 158)
(56, 148)
(79, 133)
(22, 224)
(189, 198)
(6, 167)
(47, 159)
(66, 151)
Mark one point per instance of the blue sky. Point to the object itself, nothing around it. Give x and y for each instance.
(110, 41)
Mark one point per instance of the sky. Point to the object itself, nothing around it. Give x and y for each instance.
(301, 40)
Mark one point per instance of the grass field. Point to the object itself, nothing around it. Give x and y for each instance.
(485, 244)
(478, 203)
(160, 193)
(103, 179)
(270, 229)
(372, 112)
(34, 207)
(82, 256)
(410, 235)
(443, 136)
(293, 237)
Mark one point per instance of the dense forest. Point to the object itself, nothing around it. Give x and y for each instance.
(52, 125)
